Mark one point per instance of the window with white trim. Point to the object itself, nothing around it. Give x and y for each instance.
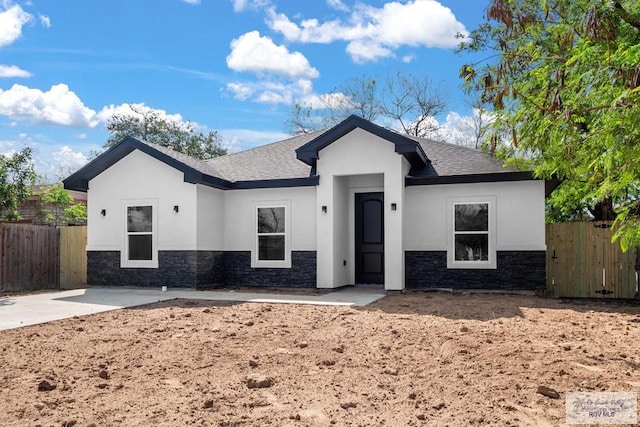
(471, 231)
(472, 241)
(272, 237)
(140, 243)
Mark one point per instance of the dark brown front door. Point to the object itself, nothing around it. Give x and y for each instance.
(369, 225)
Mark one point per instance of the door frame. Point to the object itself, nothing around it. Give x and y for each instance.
(356, 249)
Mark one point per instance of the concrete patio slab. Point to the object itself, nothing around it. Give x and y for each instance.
(24, 310)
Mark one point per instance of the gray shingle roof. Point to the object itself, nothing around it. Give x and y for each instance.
(197, 164)
(260, 167)
(278, 161)
(450, 159)
(272, 161)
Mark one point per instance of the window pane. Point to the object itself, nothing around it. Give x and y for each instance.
(472, 247)
(140, 247)
(472, 217)
(271, 220)
(271, 248)
(139, 219)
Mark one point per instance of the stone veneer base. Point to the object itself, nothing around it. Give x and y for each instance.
(516, 270)
(201, 269)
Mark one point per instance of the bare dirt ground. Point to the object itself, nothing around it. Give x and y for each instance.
(413, 359)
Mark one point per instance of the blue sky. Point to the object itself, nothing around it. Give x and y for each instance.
(234, 66)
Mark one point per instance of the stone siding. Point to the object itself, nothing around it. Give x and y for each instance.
(516, 270)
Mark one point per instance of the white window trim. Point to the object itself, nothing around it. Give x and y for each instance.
(491, 263)
(286, 263)
(125, 262)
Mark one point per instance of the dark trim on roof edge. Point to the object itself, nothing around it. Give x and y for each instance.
(550, 185)
(412, 150)
(79, 180)
(276, 183)
(469, 179)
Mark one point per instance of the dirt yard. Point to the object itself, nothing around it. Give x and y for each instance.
(414, 359)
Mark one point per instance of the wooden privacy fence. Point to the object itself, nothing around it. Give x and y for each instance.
(583, 263)
(40, 257)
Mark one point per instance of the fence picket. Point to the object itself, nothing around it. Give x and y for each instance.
(577, 253)
(36, 257)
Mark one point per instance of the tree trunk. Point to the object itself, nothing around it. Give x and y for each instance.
(603, 210)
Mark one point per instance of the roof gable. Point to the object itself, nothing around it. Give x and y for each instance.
(195, 171)
(409, 148)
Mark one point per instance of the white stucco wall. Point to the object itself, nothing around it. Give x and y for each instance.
(211, 218)
(139, 177)
(239, 213)
(519, 214)
(371, 164)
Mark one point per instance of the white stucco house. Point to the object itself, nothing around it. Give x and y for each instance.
(355, 204)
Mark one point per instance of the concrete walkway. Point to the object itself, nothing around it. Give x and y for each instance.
(24, 310)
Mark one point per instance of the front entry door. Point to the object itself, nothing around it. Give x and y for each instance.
(369, 250)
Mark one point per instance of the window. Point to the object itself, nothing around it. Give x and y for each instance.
(272, 243)
(271, 234)
(139, 245)
(471, 232)
(472, 236)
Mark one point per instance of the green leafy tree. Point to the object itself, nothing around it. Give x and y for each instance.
(151, 127)
(563, 79)
(16, 178)
(58, 206)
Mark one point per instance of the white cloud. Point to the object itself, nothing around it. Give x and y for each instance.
(53, 164)
(260, 55)
(57, 106)
(192, 1)
(338, 5)
(45, 21)
(241, 91)
(67, 160)
(11, 21)
(327, 100)
(464, 130)
(242, 5)
(373, 33)
(271, 92)
(135, 109)
(408, 58)
(13, 71)
(363, 51)
(7, 148)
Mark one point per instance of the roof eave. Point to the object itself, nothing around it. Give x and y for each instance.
(79, 180)
(469, 179)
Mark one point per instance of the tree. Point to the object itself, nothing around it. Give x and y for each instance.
(405, 100)
(151, 127)
(413, 102)
(564, 77)
(58, 207)
(357, 96)
(16, 178)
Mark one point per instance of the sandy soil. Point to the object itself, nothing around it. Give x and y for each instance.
(412, 359)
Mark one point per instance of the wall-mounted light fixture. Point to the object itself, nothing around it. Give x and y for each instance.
(324, 209)
(103, 212)
(176, 208)
(394, 207)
